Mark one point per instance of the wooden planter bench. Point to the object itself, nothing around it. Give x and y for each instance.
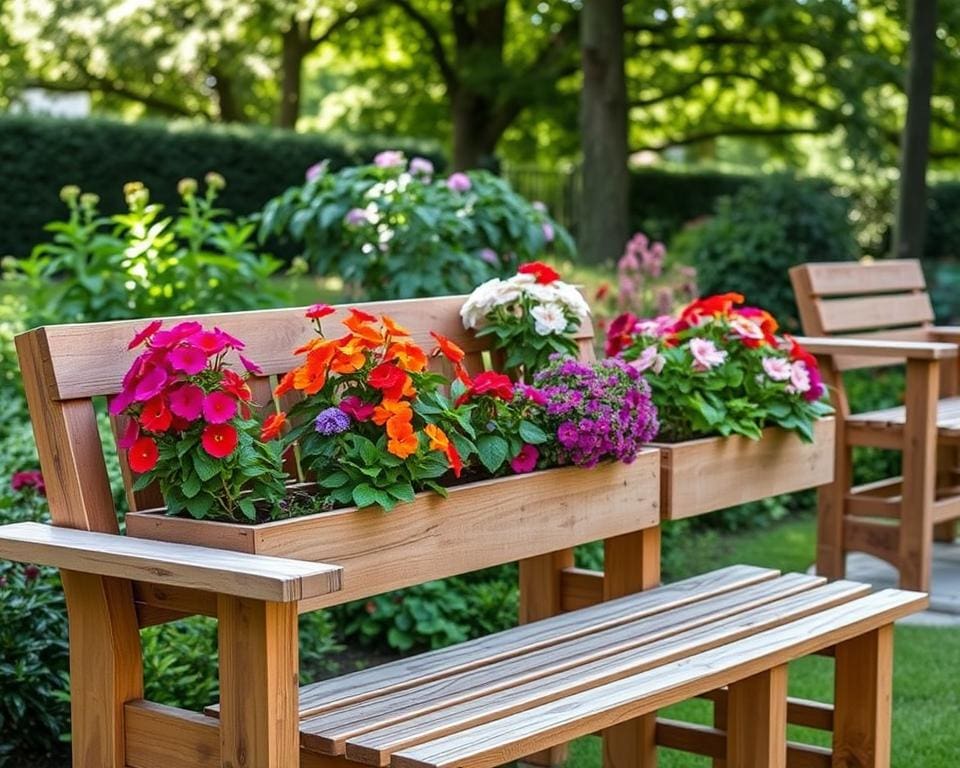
(595, 651)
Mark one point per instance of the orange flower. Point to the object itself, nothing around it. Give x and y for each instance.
(408, 356)
(403, 440)
(272, 426)
(393, 328)
(360, 323)
(312, 375)
(390, 410)
(350, 355)
(438, 438)
(448, 349)
(284, 385)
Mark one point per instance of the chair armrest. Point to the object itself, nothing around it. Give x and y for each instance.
(273, 579)
(912, 350)
(949, 334)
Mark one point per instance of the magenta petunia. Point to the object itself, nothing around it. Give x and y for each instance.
(526, 460)
(219, 408)
(120, 403)
(189, 359)
(130, 434)
(355, 407)
(173, 336)
(187, 401)
(146, 333)
(151, 384)
(250, 366)
(211, 342)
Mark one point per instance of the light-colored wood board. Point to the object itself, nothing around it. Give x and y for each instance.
(844, 278)
(712, 742)
(375, 746)
(757, 720)
(182, 565)
(885, 347)
(512, 517)
(511, 737)
(580, 588)
(90, 359)
(862, 313)
(803, 712)
(156, 603)
(742, 470)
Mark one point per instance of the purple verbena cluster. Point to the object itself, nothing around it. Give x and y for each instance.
(332, 421)
(597, 410)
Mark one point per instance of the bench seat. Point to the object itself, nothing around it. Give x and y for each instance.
(511, 694)
(948, 418)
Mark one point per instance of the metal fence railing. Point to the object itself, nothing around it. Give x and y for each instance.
(559, 190)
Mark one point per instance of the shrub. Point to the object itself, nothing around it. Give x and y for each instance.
(41, 155)
(759, 233)
(143, 263)
(391, 230)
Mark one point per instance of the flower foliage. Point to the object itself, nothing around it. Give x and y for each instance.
(190, 425)
(718, 368)
(530, 317)
(393, 230)
(592, 411)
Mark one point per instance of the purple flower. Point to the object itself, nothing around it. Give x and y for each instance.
(526, 460)
(332, 421)
(355, 217)
(458, 182)
(389, 158)
(315, 171)
(489, 255)
(548, 233)
(420, 166)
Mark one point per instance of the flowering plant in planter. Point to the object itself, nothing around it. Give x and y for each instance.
(529, 316)
(718, 368)
(190, 428)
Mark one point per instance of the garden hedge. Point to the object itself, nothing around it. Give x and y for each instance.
(38, 156)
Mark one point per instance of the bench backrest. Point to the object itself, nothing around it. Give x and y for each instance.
(66, 367)
(882, 300)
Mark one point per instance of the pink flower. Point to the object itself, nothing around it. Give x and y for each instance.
(30, 478)
(356, 409)
(173, 336)
(187, 401)
(421, 166)
(152, 383)
(532, 394)
(188, 359)
(490, 256)
(777, 368)
(211, 342)
(315, 171)
(250, 366)
(650, 358)
(120, 403)
(355, 217)
(146, 333)
(130, 434)
(458, 182)
(526, 460)
(219, 408)
(800, 377)
(389, 158)
(706, 355)
(548, 233)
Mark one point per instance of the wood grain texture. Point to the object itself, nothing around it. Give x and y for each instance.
(742, 470)
(712, 742)
(259, 683)
(180, 565)
(862, 313)
(757, 720)
(864, 695)
(513, 736)
(580, 588)
(909, 350)
(845, 278)
(513, 517)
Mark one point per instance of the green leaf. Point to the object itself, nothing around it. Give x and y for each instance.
(532, 434)
(335, 480)
(199, 506)
(248, 508)
(492, 450)
(191, 485)
(205, 465)
(401, 491)
(365, 495)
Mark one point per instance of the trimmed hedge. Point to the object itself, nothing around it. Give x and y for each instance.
(40, 155)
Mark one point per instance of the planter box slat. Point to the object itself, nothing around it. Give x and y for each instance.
(701, 476)
(480, 525)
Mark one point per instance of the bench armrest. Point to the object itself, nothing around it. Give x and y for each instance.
(949, 334)
(273, 579)
(912, 350)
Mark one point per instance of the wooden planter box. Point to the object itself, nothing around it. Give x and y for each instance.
(479, 525)
(700, 476)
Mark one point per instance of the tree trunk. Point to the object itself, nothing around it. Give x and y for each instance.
(291, 77)
(911, 221)
(603, 116)
(228, 107)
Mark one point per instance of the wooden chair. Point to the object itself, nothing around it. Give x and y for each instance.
(596, 652)
(875, 315)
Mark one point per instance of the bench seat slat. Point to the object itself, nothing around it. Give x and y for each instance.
(182, 565)
(374, 746)
(332, 729)
(523, 733)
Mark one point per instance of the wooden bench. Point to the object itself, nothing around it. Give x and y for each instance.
(596, 652)
(879, 315)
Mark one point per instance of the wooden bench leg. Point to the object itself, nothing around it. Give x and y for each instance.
(259, 684)
(831, 551)
(631, 564)
(863, 701)
(720, 723)
(919, 475)
(540, 597)
(757, 721)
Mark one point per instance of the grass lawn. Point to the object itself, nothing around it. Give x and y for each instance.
(926, 715)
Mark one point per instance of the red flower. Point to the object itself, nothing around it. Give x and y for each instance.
(620, 333)
(544, 273)
(711, 306)
(318, 311)
(30, 478)
(219, 440)
(130, 434)
(145, 334)
(187, 401)
(387, 376)
(143, 454)
(234, 385)
(448, 349)
(488, 383)
(155, 415)
(273, 426)
(356, 409)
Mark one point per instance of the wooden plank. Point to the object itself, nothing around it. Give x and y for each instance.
(742, 470)
(159, 736)
(79, 366)
(156, 603)
(864, 695)
(580, 588)
(873, 537)
(182, 565)
(847, 315)
(859, 346)
(580, 714)
(843, 278)
(514, 517)
(418, 722)
(757, 720)
(854, 362)
(259, 683)
(802, 712)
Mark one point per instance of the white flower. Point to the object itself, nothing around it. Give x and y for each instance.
(572, 299)
(705, 354)
(479, 303)
(521, 279)
(544, 294)
(800, 377)
(777, 368)
(549, 318)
